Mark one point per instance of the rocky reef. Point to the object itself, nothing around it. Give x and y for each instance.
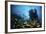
(19, 23)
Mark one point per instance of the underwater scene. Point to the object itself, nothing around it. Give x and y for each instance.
(26, 16)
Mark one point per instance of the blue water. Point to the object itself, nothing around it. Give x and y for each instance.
(23, 10)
